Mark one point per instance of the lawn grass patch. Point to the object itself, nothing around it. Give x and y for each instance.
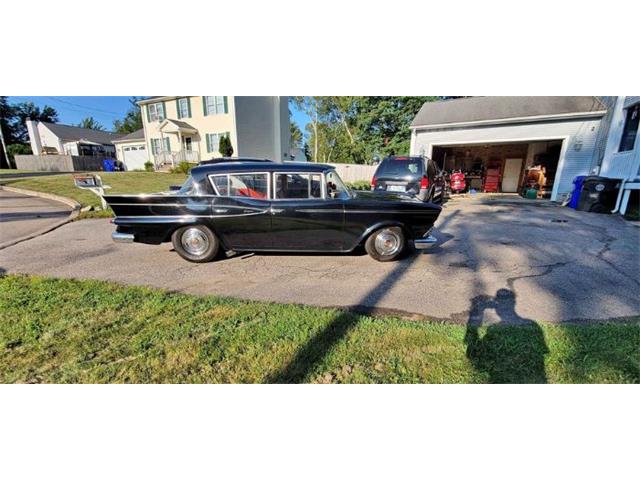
(121, 182)
(67, 331)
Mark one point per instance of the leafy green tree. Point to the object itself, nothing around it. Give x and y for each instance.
(90, 123)
(132, 120)
(225, 148)
(311, 107)
(296, 135)
(12, 122)
(28, 110)
(352, 129)
(18, 149)
(6, 113)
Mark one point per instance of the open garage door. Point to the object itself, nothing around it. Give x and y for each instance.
(514, 166)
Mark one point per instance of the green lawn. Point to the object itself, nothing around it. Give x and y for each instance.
(121, 182)
(89, 331)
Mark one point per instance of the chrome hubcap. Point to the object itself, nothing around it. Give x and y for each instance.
(388, 242)
(194, 241)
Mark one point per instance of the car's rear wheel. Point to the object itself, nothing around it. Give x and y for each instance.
(196, 243)
(386, 244)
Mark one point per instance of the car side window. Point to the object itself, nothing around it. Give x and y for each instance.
(253, 185)
(297, 186)
(221, 184)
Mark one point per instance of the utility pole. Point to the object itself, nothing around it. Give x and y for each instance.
(4, 147)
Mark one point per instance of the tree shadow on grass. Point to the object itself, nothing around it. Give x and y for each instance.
(320, 345)
(506, 353)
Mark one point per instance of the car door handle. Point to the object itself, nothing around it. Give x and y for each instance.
(275, 211)
(220, 210)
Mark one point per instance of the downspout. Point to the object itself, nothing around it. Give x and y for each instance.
(620, 195)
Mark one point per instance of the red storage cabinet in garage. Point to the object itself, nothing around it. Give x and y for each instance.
(492, 177)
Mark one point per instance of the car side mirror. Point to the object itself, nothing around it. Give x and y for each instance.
(175, 188)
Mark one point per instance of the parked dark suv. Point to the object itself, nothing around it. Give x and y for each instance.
(417, 176)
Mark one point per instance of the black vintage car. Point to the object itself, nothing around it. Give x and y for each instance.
(268, 206)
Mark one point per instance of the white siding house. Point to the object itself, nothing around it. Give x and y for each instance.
(622, 152)
(189, 128)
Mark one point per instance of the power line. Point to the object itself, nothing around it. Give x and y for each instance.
(82, 106)
(95, 112)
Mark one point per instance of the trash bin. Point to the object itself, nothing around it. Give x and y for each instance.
(598, 194)
(109, 165)
(577, 188)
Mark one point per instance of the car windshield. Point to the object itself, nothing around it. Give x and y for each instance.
(336, 187)
(400, 167)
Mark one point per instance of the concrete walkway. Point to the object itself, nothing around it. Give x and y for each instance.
(498, 260)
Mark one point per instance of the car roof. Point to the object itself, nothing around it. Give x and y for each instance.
(259, 166)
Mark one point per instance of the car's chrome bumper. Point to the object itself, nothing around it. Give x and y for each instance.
(122, 237)
(424, 242)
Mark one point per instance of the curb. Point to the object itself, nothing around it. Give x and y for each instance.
(75, 206)
(50, 196)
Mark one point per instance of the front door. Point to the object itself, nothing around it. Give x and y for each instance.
(187, 144)
(511, 175)
(302, 217)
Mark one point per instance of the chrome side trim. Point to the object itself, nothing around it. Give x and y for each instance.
(412, 212)
(178, 218)
(122, 237)
(424, 242)
(319, 210)
(159, 195)
(205, 204)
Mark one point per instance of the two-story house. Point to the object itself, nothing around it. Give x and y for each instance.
(189, 128)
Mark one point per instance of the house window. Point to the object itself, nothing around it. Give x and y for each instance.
(214, 105)
(155, 112)
(213, 141)
(157, 146)
(184, 108)
(630, 130)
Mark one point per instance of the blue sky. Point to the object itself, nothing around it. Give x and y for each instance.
(71, 110)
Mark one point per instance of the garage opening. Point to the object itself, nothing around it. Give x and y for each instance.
(516, 167)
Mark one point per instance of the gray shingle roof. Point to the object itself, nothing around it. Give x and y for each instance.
(137, 135)
(67, 132)
(180, 123)
(476, 109)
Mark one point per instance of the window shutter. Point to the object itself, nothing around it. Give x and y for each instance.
(208, 143)
(164, 111)
(204, 106)
(178, 107)
(189, 106)
(226, 106)
(146, 107)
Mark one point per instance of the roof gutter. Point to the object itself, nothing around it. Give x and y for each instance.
(502, 121)
(155, 100)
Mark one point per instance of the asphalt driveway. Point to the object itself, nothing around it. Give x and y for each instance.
(24, 215)
(498, 259)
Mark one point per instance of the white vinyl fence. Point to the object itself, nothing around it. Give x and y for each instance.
(350, 172)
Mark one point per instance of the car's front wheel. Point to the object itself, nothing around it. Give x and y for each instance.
(386, 244)
(196, 243)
